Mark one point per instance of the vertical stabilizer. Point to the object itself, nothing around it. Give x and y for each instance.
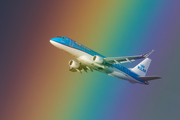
(141, 68)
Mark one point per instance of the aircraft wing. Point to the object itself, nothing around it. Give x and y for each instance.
(117, 60)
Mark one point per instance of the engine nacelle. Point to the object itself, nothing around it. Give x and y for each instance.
(98, 59)
(74, 64)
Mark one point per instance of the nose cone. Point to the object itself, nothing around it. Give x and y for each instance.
(51, 41)
(54, 41)
(60, 40)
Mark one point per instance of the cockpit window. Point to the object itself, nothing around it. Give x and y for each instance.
(61, 37)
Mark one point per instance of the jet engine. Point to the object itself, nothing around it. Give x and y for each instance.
(98, 59)
(73, 64)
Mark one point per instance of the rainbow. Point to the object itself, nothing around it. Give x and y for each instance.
(41, 86)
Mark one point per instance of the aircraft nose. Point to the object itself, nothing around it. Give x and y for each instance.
(52, 40)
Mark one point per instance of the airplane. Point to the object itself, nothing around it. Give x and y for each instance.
(87, 59)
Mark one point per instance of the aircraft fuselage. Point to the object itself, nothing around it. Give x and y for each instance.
(85, 56)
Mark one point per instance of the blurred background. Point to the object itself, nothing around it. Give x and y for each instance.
(35, 81)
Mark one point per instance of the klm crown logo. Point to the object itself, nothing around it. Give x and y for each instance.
(142, 68)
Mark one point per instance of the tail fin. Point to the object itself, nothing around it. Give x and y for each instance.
(141, 68)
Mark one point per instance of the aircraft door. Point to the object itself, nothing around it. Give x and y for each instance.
(71, 43)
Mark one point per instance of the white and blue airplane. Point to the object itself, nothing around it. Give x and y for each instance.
(88, 59)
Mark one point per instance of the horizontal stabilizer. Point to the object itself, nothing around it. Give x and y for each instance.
(148, 78)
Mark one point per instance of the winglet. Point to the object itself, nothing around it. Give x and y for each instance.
(147, 54)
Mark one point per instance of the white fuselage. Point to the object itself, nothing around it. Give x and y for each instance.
(86, 59)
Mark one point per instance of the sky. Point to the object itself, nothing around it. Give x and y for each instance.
(35, 81)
